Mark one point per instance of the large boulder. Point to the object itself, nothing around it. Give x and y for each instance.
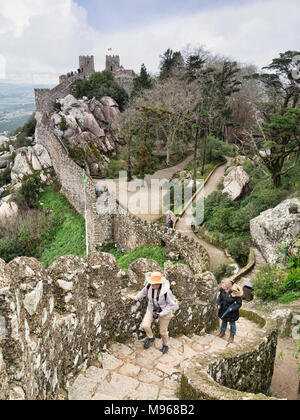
(3, 163)
(42, 155)
(110, 108)
(3, 140)
(83, 127)
(235, 182)
(20, 168)
(275, 227)
(8, 209)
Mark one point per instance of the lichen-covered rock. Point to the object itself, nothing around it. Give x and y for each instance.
(235, 182)
(20, 168)
(138, 270)
(83, 127)
(58, 320)
(275, 227)
(8, 209)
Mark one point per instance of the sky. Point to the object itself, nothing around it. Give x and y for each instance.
(41, 39)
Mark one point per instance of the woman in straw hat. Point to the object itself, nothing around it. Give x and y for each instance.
(161, 304)
(229, 303)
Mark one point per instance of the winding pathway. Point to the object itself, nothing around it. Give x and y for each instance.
(217, 256)
(149, 201)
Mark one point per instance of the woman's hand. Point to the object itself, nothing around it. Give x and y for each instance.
(131, 298)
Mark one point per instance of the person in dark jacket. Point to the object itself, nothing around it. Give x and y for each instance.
(229, 298)
(170, 223)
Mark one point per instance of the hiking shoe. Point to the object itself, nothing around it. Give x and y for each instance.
(165, 349)
(148, 342)
(231, 339)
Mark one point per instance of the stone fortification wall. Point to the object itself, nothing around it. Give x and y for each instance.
(130, 232)
(58, 320)
(247, 369)
(69, 174)
(45, 99)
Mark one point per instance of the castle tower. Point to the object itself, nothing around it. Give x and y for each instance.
(87, 65)
(112, 63)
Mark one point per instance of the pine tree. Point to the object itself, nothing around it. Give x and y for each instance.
(143, 81)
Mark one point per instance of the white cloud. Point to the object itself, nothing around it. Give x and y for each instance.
(43, 39)
(255, 33)
(40, 39)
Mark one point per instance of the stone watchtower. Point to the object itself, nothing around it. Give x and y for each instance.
(112, 63)
(86, 65)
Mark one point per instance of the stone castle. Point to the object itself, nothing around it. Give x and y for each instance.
(124, 77)
(56, 321)
(45, 99)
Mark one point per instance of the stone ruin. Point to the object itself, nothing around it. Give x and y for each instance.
(58, 320)
(45, 99)
(124, 77)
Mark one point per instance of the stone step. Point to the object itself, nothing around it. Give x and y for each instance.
(129, 372)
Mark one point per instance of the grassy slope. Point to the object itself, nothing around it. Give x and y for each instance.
(69, 235)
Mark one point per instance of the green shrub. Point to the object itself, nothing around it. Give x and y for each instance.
(216, 150)
(292, 282)
(269, 283)
(63, 126)
(223, 271)
(22, 133)
(294, 262)
(114, 167)
(101, 84)
(30, 190)
(239, 250)
(5, 177)
(10, 248)
(289, 297)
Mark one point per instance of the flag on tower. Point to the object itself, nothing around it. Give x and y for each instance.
(109, 49)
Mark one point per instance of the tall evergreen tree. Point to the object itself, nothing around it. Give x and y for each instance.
(143, 81)
(171, 63)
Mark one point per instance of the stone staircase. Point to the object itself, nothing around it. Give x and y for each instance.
(128, 372)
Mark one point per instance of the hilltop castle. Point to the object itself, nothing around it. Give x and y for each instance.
(124, 77)
(45, 99)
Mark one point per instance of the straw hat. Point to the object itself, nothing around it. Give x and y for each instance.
(156, 278)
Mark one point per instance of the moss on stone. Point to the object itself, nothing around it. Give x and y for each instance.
(254, 317)
(78, 155)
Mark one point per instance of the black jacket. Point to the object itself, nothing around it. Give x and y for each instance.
(224, 301)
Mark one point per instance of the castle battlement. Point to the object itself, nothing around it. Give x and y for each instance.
(45, 99)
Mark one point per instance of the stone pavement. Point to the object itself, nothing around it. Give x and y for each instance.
(128, 372)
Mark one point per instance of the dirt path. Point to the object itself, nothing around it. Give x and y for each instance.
(144, 201)
(285, 380)
(217, 256)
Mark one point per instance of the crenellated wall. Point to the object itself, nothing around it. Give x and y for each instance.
(241, 373)
(69, 174)
(58, 320)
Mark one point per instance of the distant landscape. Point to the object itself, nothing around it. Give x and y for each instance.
(16, 106)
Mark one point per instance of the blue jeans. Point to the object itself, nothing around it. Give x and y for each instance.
(232, 327)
